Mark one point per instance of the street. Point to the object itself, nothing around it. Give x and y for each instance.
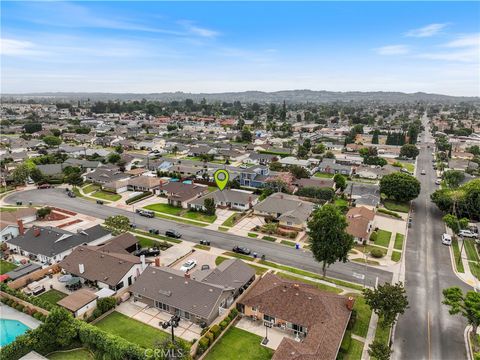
(349, 271)
(427, 330)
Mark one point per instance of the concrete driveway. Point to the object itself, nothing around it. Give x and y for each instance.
(202, 258)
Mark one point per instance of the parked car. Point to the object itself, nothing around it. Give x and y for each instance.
(189, 265)
(173, 233)
(100, 202)
(423, 172)
(71, 194)
(438, 182)
(154, 231)
(44, 186)
(146, 213)
(205, 242)
(205, 267)
(467, 233)
(446, 239)
(147, 252)
(241, 250)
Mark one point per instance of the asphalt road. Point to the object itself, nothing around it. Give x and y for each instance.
(427, 330)
(275, 252)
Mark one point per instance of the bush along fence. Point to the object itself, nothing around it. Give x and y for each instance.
(25, 307)
(211, 334)
(19, 296)
(139, 197)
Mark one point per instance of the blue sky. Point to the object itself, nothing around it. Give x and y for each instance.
(231, 46)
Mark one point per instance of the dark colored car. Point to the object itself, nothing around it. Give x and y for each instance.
(147, 252)
(205, 242)
(173, 233)
(100, 202)
(71, 194)
(44, 186)
(241, 250)
(154, 231)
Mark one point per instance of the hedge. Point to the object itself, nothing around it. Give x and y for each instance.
(388, 212)
(31, 299)
(203, 344)
(138, 197)
(215, 330)
(373, 236)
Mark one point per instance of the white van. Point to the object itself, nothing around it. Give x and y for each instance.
(446, 239)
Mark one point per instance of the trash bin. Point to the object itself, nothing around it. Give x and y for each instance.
(297, 246)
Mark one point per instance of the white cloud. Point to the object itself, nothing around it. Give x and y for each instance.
(16, 47)
(426, 31)
(470, 40)
(197, 30)
(393, 50)
(465, 48)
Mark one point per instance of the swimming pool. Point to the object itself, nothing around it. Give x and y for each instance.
(10, 329)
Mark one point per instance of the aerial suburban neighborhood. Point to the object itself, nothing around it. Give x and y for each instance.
(249, 225)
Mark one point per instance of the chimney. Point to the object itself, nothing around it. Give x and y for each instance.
(157, 262)
(21, 228)
(142, 259)
(187, 275)
(350, 302)
(81, 268)
(36, 231)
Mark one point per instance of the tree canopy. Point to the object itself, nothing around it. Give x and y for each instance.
(400, 186)
(466, 305)
(466, 198)
(387, 301)
(409, 151)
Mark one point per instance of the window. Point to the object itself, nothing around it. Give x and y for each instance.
(268, 318)
(119, 286)
(161, 306)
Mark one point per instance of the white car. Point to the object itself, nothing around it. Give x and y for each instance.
(467, 233)
(438, 182)
(446, 239)
(423, 172)
(189, 265)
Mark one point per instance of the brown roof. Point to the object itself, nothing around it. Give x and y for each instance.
(119, 243)
(179, 191)
(78, 299)
(145, 181)
(18, 215)
(324, 314)
(137, 171)
(103, 266)
(314, 182)
(358, 219)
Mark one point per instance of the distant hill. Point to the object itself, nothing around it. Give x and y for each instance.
(290, 96)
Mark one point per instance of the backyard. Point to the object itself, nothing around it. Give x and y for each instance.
(239, 344)
(323, 175)
(132, 330)
(78, 354)
(6, 266)
(52, 296)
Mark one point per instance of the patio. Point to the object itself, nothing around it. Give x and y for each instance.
(186, 330)
(275, 335)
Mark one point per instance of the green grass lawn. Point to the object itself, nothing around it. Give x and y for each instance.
(8, 209)
(132, 330)
(341, 203)
(239, 256)
(474, 269)
(223, 228)
(354, 351)
(369, 248)
(90, 188)
(323, 175)
(180, 220)
(252, 235)
(398, 241)
(52, 296)
(202, 247)
(383, 238)
(239, 344)
(6, 266)
(396, 256)
(369, 262)
(220, 259)
(470, 250)
(269, 238)
(382, 333)
(231, 220)
(409, 167)
(364, 313)
(456, 254)
(144, 242)
(80, 354)
(100, 194)
(391, 205)
(288, 243)
(212, 188)
(196, 215)
(164, 208)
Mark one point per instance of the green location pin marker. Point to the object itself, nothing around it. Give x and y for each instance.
(221, 178)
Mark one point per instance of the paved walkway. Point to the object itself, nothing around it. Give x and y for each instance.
(6, 312)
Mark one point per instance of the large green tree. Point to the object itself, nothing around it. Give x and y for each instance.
(409, 151)
(455, 223)
(52, 141)
(340, 181)
(387, 301)
(20, 174)
(453, 178)
(379, 351)
(466, 199)
(400, 186)
(328, 236)
(466, 305)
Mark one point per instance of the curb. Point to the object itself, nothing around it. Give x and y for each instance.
(468, 345)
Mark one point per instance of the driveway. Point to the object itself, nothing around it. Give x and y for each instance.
(248, 223)
(202, 258)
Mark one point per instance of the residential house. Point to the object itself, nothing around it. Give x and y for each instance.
(254, 176)
(180, 194)
(144, 183)
(103, 175)
(109, 266)
(80, 302)
(315, 320)
(289, 210)
(314, 182)
(50, 245)
(232, 199)
(360, 223)
(12, 223)
(198, 298)
(290, 161)
(362, 194)
(330, 166)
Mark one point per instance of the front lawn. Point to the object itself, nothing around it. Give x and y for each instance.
(410, 167)
(6, 266)
(100, 194)
(364, 313)
(382, 334)
(90, 188)
(470, 250)
(354, 351)
(369, 248)
(232, 219)
(323, 175)
(392, 205)
(52, 296)
(164, 208)
(398, 241)
(220, 259)
(383, 238)
(288, 243)
(396, 256)
(252, 235)
(199, 216)
(79, 354)
(238, 344)
(132, 330)
(456, 254)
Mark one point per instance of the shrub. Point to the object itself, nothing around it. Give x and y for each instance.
(204, 330)
(388, 212)
(106, 304)
(373, 236)
(377, 253)
(292, 235)
(203, 344)
(233, 313)
(209, 335)
(96, 313)
(138, 197)
(223, 324)
(215, 330)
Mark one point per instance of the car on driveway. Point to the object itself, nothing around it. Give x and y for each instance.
(468, 234)
(241, 250)
(147, 252)
(189, 265)
(446, 239)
